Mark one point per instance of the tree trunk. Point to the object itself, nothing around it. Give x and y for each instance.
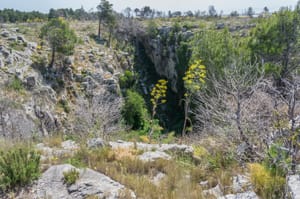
(99, 29)
(52, 58)
(186, 107)
(109, 38)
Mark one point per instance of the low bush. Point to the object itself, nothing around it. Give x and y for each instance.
(134, 110)
(268, 186)
(18, 166)
(16, 84)
(127, 80)
(71, 176)
(221, 160)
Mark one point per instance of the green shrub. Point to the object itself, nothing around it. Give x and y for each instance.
(16, 84)
(134, 110)
(277, 160)
(152, 30)
(127, 80)
(71, 176)
(18, 46)
(64, 105)
(221, 160)
(18, 166)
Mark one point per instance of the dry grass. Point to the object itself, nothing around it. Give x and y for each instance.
(54, 141)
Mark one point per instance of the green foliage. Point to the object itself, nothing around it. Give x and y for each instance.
(18, 166)
(64, 105)
(13, 16)
(221, 160)
(18, 46)
(151, 28)
(134, 110)
(105, 14)
(61, 37)
(214, 48)
(71, 176)
(267, 185)
(277, 161)
(169, 139)
(127, 80)
(69, 13)
(274, 38)
(16, 84)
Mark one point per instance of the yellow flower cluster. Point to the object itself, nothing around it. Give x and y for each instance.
(195, 76)
(159, 93)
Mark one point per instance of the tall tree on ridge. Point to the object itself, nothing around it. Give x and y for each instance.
(104, 12)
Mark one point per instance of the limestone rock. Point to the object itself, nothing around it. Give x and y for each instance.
(31, 82)
(14, 123)
(246, 195)
(69, 145)
(51, 185)
(95, 143)
(173, 148)
(154, 155)
(240, 183)
(49, 122)
(5, 33)
(21, 38)
(158, 178)
(12, 38)
(204, 184)
(294, 186)
(215, 191)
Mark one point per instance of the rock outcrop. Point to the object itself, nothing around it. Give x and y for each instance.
(293, 182)
(90, 183)
(173, 148)
(71, 97)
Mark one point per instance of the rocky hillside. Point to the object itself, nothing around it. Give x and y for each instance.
(61, 125)
(38, 101)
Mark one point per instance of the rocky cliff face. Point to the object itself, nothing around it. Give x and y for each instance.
(163, 51)
(78, 95)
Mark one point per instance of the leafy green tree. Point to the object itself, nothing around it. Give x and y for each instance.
(105, 13)
(214, 48)
(112, 23)
(134, 110)
(60, 36)
(275, 41)
(212, 11)
(250, 12)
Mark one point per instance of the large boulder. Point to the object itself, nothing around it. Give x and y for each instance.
(5, 33)
(90, 183)
(294, 186)
(14, 122)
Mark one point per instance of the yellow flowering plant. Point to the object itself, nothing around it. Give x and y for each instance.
(158, 94)
(193, 80)
(158, 97)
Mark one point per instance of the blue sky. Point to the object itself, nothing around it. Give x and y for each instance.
(165, 5)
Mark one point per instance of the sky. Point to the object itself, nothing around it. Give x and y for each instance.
(164, 5)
